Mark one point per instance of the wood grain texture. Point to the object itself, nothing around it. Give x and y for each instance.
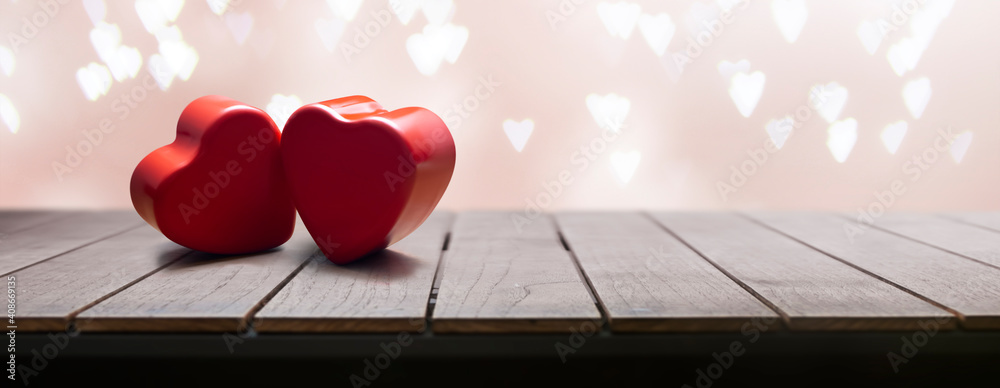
(386, 292)
(29, 246)
(17, 220)
(497, 277)
(647, 280)
(973, 242)
(201, 292)
(965, 286)
(988, 220)
(50, 293)
(813, 291)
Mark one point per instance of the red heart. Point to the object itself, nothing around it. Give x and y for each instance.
(219, 187)
(363, 177)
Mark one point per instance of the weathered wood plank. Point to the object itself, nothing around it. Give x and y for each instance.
(497, 277)
(813, 291)
(17, 220)
(988, 220)
(969, 288)
(201, 292)
(973, 242)
(24, 248)
(387, 292)
(50, 293)
(647, 280)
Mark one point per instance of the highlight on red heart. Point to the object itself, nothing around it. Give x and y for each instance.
(361, 177)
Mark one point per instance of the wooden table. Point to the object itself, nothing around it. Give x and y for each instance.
(496, 284)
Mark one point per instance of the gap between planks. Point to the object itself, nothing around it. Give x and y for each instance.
(785, 320)
(952, 311)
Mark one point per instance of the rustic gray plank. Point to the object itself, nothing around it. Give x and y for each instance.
(973, 242)
(647, 280)
(17, 220)
(51, 293)
(966, 287)
(386, 292)
(497, 277)
(201, 292)
(988, 220)
(26, 247)
(813, 291)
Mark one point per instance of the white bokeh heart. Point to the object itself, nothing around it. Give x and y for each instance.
(281, 107)
(892, 136)
(105, 38)
(329, 32)
(925, 21)
(9, 115)
(96, 10)
(240, 25)
(518, 132)
(729, 69)
(699, 16)
(624, 164)
(436, 44)
(438, 11)
(791, 16)
(619, 18)
(658, 30)
(828, 100)
(959, 145)
(609, 111)
(904, 55)
(779, 130)
(841, 137)
(405, 9)
(156, 14)
(161, 71)
(344, 9)
(6, 61)
(122, 61)
(871, 35)
(181, 57)
(94, 80)
(127, 64)
(218, 7)
(916, 95)
(745, 90)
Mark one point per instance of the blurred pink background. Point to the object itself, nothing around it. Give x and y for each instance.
(932, 64)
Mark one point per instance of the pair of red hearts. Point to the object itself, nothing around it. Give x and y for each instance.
(360, 176)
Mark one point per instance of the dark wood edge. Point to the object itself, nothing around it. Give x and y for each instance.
(339, 325)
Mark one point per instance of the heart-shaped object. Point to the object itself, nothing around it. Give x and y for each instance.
(363, 177)
(219, 187)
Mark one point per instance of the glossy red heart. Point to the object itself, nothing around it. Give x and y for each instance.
(219, 187)
(363, 177)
